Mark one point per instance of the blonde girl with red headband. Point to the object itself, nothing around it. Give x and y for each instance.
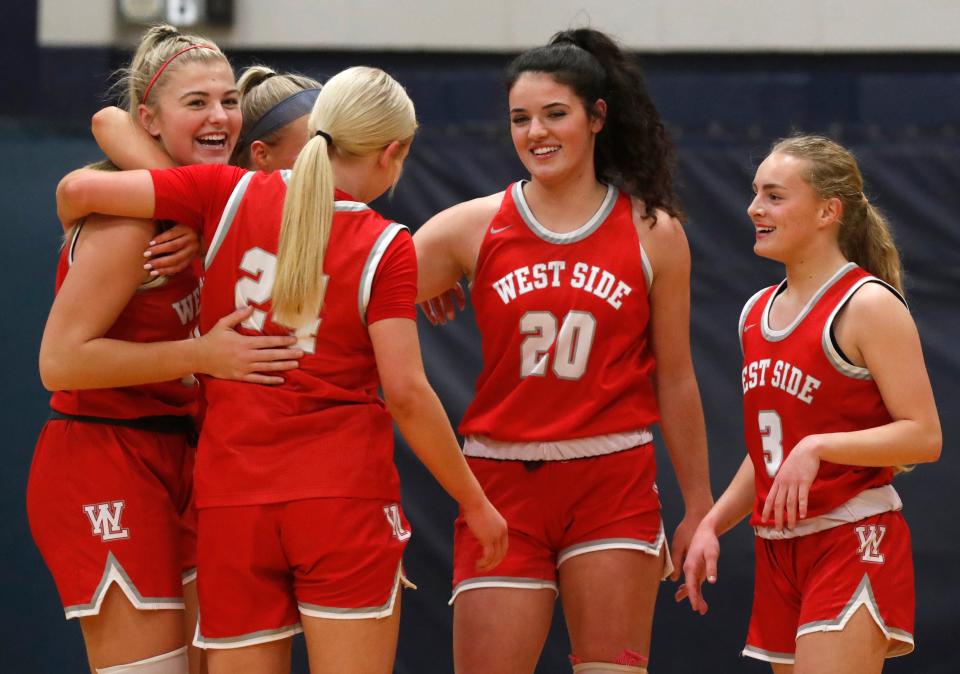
(109, 497)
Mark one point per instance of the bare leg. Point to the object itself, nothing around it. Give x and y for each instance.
(608, 600)
(272, 657)
(500, 630)
(860, 648)
(122, 633)
(356, 646)
(194, 655)
(782, 669)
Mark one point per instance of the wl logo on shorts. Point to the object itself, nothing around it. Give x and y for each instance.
(392, 513)
(105, 519)
(870, 537)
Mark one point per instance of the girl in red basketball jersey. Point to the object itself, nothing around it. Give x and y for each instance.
(580, 284)
(111, 477)
(275, 108)
(835, 394)
(300, 525)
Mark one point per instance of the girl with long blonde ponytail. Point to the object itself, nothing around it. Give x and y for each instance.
(313, 457)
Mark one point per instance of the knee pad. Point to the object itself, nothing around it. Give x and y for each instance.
(174, 662)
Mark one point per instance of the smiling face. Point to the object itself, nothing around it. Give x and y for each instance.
(196, 116)
(552, 132)
(788, 215)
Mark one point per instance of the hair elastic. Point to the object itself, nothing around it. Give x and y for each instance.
(325, 136)
(163, 66)
(290, 108)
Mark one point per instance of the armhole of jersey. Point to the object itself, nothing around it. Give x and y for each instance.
(229, 212)
(373, 262)
(647, 269)
(831, 350)
(745, 312)
(74, 237)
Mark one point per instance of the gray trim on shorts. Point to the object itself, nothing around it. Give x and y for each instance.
(113, 572)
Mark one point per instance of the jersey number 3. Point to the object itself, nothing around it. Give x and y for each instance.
(257, 289)
(571, 345)
(771, 439)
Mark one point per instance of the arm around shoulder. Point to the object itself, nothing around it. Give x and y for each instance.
(124, 193)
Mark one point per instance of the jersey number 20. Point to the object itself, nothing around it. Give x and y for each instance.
(571, 344)
(257, 289)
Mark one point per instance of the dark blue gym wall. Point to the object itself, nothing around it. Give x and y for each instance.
(898, 112)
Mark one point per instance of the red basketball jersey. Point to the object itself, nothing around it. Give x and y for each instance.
(164, 309)
(797, 383)
(325, 431)
(563, 320)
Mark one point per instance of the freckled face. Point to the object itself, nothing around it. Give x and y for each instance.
(552, 132)
(196, 115)
(786, 208)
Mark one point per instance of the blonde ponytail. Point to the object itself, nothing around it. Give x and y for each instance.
(864, 236)
(359, 112)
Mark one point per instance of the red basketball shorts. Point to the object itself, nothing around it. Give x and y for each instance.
(110, 504)
(815, 583)
(556, 510)
(262, 566)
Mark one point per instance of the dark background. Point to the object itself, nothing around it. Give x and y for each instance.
(898, 112)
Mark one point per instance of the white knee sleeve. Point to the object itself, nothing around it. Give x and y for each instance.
(607, 668)
(174, 662)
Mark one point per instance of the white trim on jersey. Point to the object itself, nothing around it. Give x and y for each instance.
(73, 242)
(385, 610)
(867, 503)
(482, 447)
(188, 576)
(503, 581)
(647, 269)
(351, 206)
(745, 311)
(373, 260)
(862, 596)
(772, 335)
(113, 572)
(226, 219)
(251, 639)
(839, 362)
(580, 233)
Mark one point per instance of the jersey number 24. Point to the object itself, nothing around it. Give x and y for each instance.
(257, 289)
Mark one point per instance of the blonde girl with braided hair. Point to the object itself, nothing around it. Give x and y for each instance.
(836, 400)
(109, 497)
(300, 523)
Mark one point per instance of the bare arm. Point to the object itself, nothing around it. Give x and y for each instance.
(74, 354)
(701, 563)
(875, 331)
(423, 423)
(124, 193)
(125, 142)
(678, 396)
(448, 243)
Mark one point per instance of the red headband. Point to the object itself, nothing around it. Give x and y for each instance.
(164, 65)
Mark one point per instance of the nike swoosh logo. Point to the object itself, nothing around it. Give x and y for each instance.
(497, 230)
(747, 327)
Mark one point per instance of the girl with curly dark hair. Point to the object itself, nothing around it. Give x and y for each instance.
(580, 284)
